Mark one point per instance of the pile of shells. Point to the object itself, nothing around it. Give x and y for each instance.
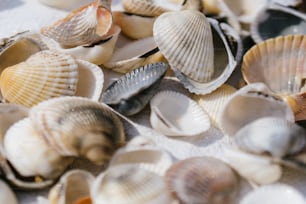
(74, 92)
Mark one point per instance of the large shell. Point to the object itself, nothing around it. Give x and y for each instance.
(202, 180)
(130, 184)
(175, 114)
(131, 92)
(77, 126)
(280, 64)
(277, 20)
(237, 112)
(83, 26)
(6, 194)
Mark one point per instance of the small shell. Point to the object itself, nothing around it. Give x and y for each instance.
(77, 126)
(274, 193)
(131, 92)
(237, 112)
(175, 114)
(72, 187)
(130, 184)
(263, 62)
(6, 194)
(202, 180)
(83, 26)
(44, 75)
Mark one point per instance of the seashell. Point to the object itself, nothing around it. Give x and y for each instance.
(237, 112)
(202, 180)
(255, 168)
(134, 26)
(130, 184)
(274, 193)
(211, 7)
(84, 26)
(6, 194)
(131, 92)
(271, 135)
(175, 114)
(263, 62)
(65, 5)
(29, 154)
(77, 126)
(140, 142)
(44, 75)
(277, 20)
(73, 187)
(214, 102)
(133, 55)
(192, 5)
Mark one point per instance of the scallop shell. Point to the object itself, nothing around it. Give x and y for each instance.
(131, 92)
(237, 112)
(214, 102)
(202, 180)
(44, 75)
(274, 193)
(83, 26)
(76, 126)
(280, 64)
(65, 5)
(277, 20)
(130, 184)
(271, 135)
(6, 194)
(175, 114)
(72, 187)
(27, 151)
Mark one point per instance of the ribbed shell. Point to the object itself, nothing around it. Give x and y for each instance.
(203, 180)
(44, 75)
(143, 7)
(185, 39)
(81, 27)
(77, 126)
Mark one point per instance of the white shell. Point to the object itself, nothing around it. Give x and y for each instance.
(175, 114)
(66, 5)
(6, 194)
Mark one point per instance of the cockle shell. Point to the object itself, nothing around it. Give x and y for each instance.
(6, 194)
(77, 126)
(44, 75)
(131, 92)
(237, 112)
(202, 180)
(84, 26)
(280, 64)
(130, 184)
(175, 114)
(73, 186)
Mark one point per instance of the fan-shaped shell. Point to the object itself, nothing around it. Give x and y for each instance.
(202, 180)
(77, 126)
(175, 114)
(83, 26)
(280, 64)
(131, 92)
(6, 194)
(44, 75)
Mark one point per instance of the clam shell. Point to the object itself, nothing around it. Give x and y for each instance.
(130, 184)
(202, 180)
(72, 187)
(131, 92)
(6, 194)
(277, 20)
(77, 126)
(271, 135)
(175, 114)
(83, 26)
(280, 64)
(27, 151)
(237, 112)
(274, 193)
(44, 75)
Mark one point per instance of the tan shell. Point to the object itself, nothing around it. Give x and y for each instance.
(77, 126)
(83, 26)
(44, 75)
(280, 64)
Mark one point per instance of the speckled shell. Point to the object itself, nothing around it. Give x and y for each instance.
(44, 75)
(202, 180)
(131, 92)
(6, 194)
(77, 126)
